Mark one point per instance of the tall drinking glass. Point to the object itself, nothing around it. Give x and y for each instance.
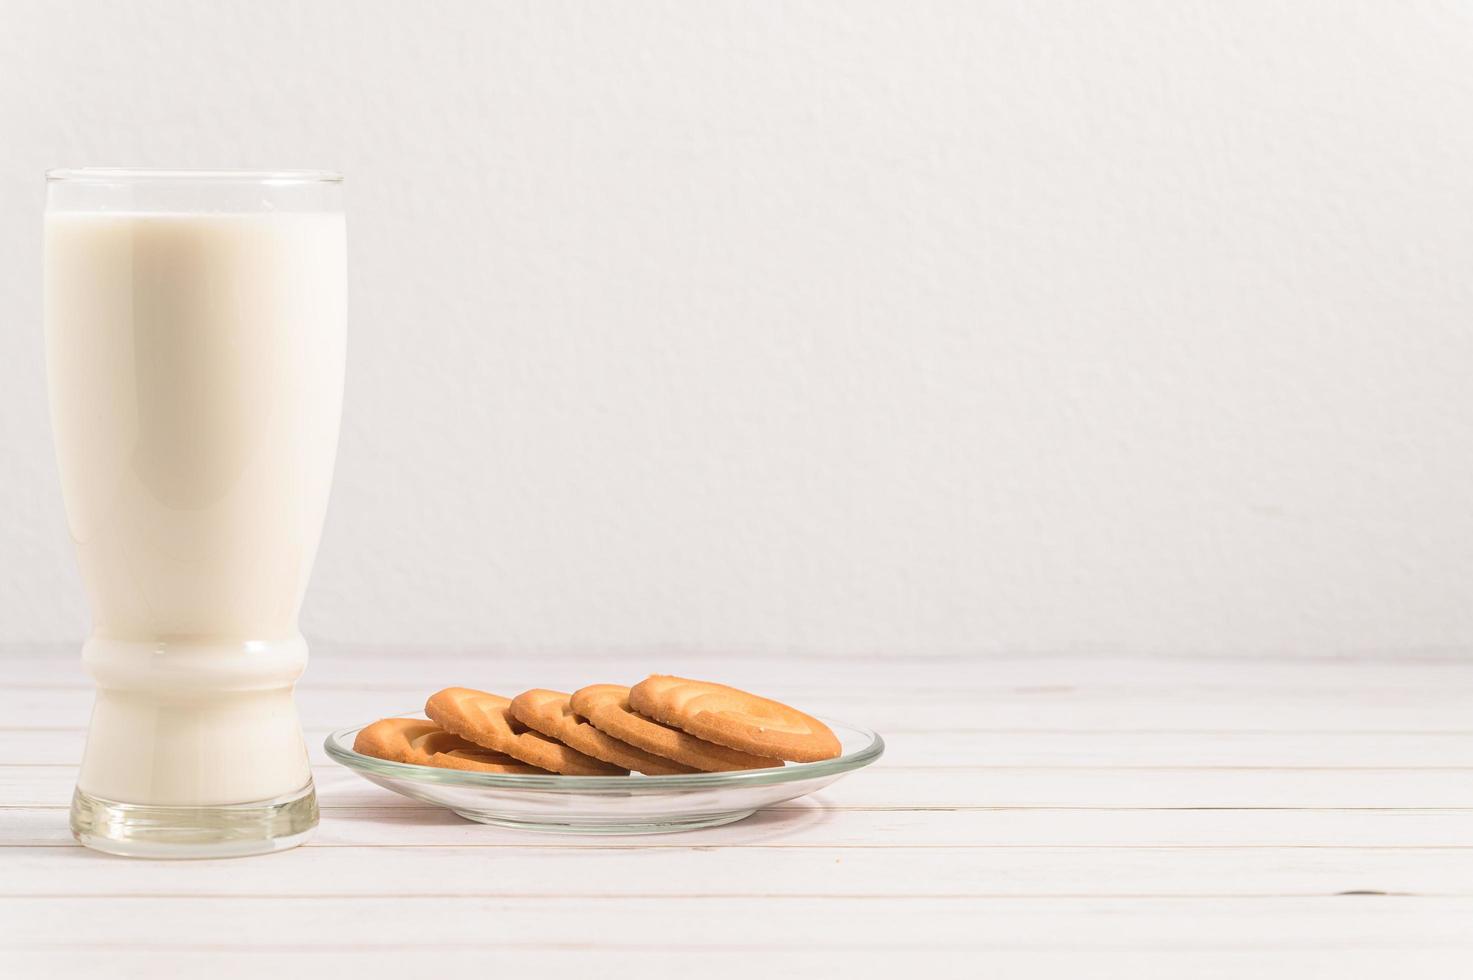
(195, 332)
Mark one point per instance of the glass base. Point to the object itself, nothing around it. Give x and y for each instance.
(672, 825)
(236, 830)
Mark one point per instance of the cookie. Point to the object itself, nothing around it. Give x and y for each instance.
(389, 738)
(477, 759)
(734, 718)
(445, 750)
(606, 706)
(486, 719)
(415, 741)
(551, 713)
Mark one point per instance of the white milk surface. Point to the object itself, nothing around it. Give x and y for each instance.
(196, 371)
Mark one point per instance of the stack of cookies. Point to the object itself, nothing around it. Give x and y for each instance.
(661, 726)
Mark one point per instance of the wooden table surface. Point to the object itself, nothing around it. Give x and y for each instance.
(1035, 815)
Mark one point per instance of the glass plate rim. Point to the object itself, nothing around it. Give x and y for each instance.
(338, 747)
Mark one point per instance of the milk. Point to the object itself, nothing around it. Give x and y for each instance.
(196, 371)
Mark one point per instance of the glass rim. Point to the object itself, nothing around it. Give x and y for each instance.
(118, 175)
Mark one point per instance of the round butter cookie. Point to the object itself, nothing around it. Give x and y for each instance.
(423, 743)
(390, 738)
(484, 760)
(734, 718)
(606, 706)
(446, 750)
(486, 719)
(551, 713)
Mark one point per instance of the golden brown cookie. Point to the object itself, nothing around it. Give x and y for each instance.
(389, 738)
(734, 718)
(551, 713)
(486, 719)
(606, 706)
(477, 759)
(446, 750)
(415, 741)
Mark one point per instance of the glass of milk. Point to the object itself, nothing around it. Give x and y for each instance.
(195, 331)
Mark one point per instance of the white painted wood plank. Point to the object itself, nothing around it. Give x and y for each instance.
(940, 750)
(1088, 788)
(702, 871)
(1046, 760)
(901, 673)
(1293, 750)
(326, 649)
(424, 669)
(997, 788)
(1063, 709)
(692, 923)
(243, 962)
(1062, 694)
(1027, 735)
(802, 825)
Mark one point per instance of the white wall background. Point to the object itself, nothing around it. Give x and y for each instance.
(830, 326)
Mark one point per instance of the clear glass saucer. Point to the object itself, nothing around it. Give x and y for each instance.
(633, 804)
